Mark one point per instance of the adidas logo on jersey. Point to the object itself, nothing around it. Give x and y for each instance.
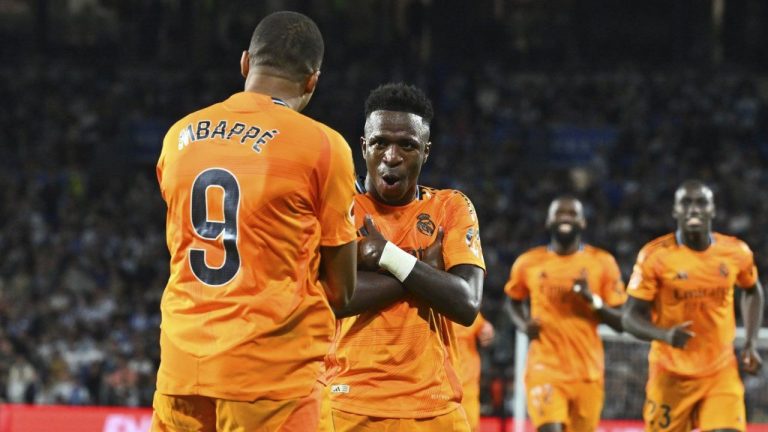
(339, 388)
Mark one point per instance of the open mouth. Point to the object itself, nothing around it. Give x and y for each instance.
(694, 222)
(565, 228)
(390, 179)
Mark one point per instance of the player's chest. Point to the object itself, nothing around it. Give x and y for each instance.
(552, 280)
(697, 277)
(411, 227)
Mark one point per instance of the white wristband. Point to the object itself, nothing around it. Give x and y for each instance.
(597, 302)
(397, 261)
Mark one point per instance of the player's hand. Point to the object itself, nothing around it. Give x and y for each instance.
(581, 287)
(679, 335)
(750, 360)
(370, 247)
(433, 254)
(533, 329)
(486, 334)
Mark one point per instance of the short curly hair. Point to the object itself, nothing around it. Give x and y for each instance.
(399, 97)
(289, 42)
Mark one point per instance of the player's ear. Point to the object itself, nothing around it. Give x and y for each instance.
(245, 64)
(311, 82)
(426, 151)
(363, 144)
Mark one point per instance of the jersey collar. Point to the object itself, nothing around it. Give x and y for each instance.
(579, 249)
(360, 187)
(679, 238)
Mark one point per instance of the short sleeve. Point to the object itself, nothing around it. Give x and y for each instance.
(461, 241)
(337, 195)
(172, 138)
(612, 289)
(515, 287)
(643, 284)
(747, 276)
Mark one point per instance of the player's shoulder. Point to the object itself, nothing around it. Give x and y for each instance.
(657, 246)
(448, 195)
(732, 243)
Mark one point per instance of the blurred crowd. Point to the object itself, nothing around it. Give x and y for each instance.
(82, 246)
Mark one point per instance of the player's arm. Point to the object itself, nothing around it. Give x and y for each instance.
(607, 314)
(611, 316)
(637, 321)
(454, 293)
(374, 291)
(752, 300)
(519, 313)
(337, 273)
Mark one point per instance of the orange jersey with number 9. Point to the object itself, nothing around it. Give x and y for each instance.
(253, 190)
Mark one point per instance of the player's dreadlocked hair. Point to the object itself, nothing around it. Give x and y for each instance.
(399, 97)
(288, 42)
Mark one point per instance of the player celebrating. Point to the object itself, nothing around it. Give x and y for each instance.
(681, 298)
(572, 287)
(261, 243)
(421, 266)
(481, 333)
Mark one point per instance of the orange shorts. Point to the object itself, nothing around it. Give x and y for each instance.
(575, 404)
(205, 414)
(676, 403)
(454, 421)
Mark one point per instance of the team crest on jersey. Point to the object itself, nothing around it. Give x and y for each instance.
(424, 224)
(724, 270)
(681, 275)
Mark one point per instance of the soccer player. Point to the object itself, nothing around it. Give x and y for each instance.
(481, 333)
(681, 298)
(572, 287)
(262, 245)
(421, 267)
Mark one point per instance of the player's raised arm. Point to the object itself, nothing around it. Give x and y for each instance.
(752, 300)
(374, 291)
(607, 314)
(455, 293)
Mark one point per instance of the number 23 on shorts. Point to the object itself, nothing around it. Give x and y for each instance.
(657, 416)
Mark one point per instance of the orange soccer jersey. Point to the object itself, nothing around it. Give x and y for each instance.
(469, 368)
(688, 285)
(253, 189)
(568, 347)
(399, 362)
